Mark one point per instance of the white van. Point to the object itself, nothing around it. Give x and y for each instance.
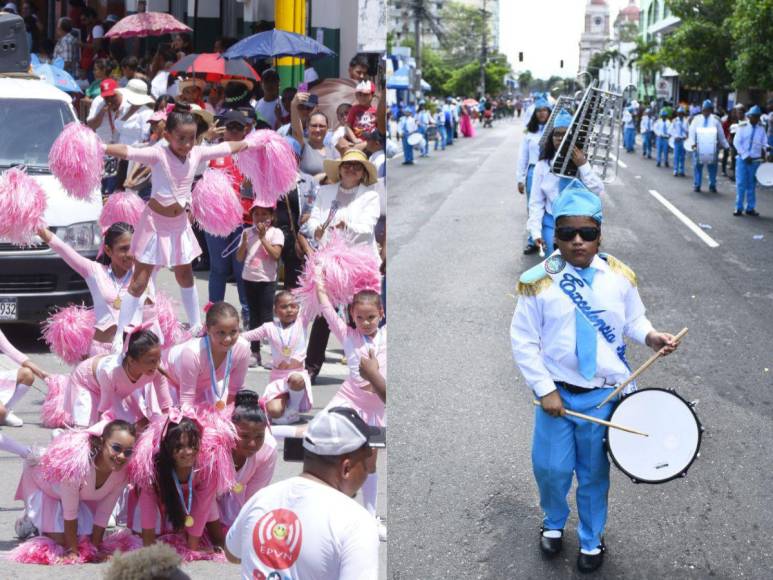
(34, 280)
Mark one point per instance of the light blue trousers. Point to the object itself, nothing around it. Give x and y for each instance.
(679, 157)
(745, 184)
(697, 169)
(646, 143)
(629, 138)
(662, 145)
(563, 447)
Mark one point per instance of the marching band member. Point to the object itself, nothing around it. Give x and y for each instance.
(661, 138)
(750, 144)
(703, 121)
(629, 129)
(546, 187)
(569, 365)
(678, 131)
(645, 128)
(529, 156)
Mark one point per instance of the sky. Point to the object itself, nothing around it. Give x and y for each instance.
(546, 31)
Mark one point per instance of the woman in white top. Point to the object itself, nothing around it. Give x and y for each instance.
(315, 148)
(529, 155)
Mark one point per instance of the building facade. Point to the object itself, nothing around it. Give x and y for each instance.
(617, 74)
(595, 34)
(657, 23)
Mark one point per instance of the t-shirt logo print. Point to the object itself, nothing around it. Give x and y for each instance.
(277, 539)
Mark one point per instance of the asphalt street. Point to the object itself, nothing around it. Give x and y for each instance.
(26, 338)
(464, 502)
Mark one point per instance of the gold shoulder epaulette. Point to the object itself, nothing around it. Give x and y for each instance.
(620, 268)
(534, 288)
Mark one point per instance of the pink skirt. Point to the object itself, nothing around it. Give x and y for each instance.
(278, 387)
(164, 241)
(367, 404)
(7, 385)
(46, 513)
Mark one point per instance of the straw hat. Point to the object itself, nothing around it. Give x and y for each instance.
(192, 82)
(333, 166)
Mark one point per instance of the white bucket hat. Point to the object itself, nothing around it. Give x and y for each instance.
(136, 93)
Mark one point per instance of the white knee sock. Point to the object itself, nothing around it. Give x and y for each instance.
(190, 298)
(21, 390)
(129, 306)
(11, 446)
(370, 493)
(295, 400)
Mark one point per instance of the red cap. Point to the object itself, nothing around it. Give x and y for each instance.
(107, 87)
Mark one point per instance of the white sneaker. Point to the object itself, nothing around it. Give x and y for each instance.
(11, 420)
(287, 419)
(24, 528)
(382, 530)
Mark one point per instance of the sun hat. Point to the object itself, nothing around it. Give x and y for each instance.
(136, 93)
(333, 166)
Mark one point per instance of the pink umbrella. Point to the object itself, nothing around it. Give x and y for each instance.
(147, 24)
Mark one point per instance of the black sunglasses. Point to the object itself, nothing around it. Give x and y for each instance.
(117, 449)
(589, 234)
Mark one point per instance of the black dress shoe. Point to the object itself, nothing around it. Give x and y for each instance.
(587, 563)
(550, 546)
(752, 212)
(737, 212)
(696, 189)
(713, 189)
(530, 249)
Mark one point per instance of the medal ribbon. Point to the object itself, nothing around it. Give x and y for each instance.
(179, 488)
(119, 285)
(290, 342)
(212, 375)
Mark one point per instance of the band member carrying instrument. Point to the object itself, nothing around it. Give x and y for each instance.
(567, 338)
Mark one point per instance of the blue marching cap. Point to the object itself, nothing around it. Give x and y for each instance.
(562, 120)
(541, 103)
(577, 200)
(681, 110)
(707, 104)
(663, 113)
(755, 110)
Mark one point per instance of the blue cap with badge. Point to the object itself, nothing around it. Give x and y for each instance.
(562, 120)
(577, 200)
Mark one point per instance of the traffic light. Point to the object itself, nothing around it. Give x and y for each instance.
(562, 63)
(520, 57)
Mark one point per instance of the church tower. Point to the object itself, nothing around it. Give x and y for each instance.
(596, 32)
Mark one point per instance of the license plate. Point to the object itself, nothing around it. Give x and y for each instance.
(8, 309)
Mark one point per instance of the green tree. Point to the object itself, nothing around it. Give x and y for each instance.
(524, 81)
(595, 64)
(701, 47)
(464, 81)
(462, 32)
(644, 57)
(750, 29)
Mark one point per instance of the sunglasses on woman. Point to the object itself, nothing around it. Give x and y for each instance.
(118, 449)
(353, 165)
(589, 234)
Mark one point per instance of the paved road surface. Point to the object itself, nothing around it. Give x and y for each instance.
(464, 500)
(25, 338)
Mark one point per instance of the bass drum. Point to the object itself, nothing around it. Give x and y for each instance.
(765, 174)
(674, 439)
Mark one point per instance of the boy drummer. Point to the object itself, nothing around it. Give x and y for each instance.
(567, 338)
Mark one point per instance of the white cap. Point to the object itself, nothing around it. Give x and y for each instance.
(11, 7)
(338, 431)
(365, 87)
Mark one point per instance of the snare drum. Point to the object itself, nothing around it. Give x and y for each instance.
(765, 174)
(674, 436)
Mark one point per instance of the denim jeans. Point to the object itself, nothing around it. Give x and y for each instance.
(221, 268)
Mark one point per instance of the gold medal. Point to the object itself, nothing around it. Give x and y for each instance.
(238, 487)
(220, 405)
(286, 351)
(117, 303)
(189, 521)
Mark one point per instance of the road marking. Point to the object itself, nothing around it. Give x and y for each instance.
(710, 242)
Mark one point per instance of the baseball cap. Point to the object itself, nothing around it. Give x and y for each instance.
(234, 117)
(341, 430)
(365, 87)
(108, 87)
(11, 7)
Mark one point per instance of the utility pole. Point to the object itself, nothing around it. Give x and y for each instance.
(483, 50)
(418, 14)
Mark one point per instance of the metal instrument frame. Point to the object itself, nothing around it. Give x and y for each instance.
(562, 103)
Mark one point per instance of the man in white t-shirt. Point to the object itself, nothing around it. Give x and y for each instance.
(267, 106)
(107, 110)
(309, 527)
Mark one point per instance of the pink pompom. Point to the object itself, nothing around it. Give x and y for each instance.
(76, 160)
(67, 457)
(142, 469)
(69, 333)
(121, 206)
(215, 205)
(217, 441)
(172, 329)
(346, 269)
(44, 551)
(122, 541)
(53, 413)
(179, 542)
(22, 205)
(269, 163)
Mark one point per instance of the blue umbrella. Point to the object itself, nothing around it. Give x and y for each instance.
(276, 43)
(400, 79)
(55, 74)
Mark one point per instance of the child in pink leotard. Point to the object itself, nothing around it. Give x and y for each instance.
(14, 384)
(164, 236)
(288, 392)
(73, 489)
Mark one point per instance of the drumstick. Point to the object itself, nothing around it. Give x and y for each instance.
(641, 369)
(599, 421)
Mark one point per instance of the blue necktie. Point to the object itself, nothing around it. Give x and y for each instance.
(586, 334)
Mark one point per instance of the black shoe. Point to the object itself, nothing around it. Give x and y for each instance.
(713, 189)
(657, 165)
(587, 563)
(752, 212)
(530, 249)
(737, 212)
(550, 546)
(696, 189)
(666, 164)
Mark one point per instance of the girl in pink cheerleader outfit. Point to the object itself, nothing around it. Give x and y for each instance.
(14, 384)
(108, 283)
(288, 392)
(164, 236)
(118, 386)
(206, 372)
(74, 487)
(254, 457)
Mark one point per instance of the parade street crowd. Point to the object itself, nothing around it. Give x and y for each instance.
(157, 435)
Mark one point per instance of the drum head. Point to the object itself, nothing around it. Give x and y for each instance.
(673, 442)
(765, 174)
